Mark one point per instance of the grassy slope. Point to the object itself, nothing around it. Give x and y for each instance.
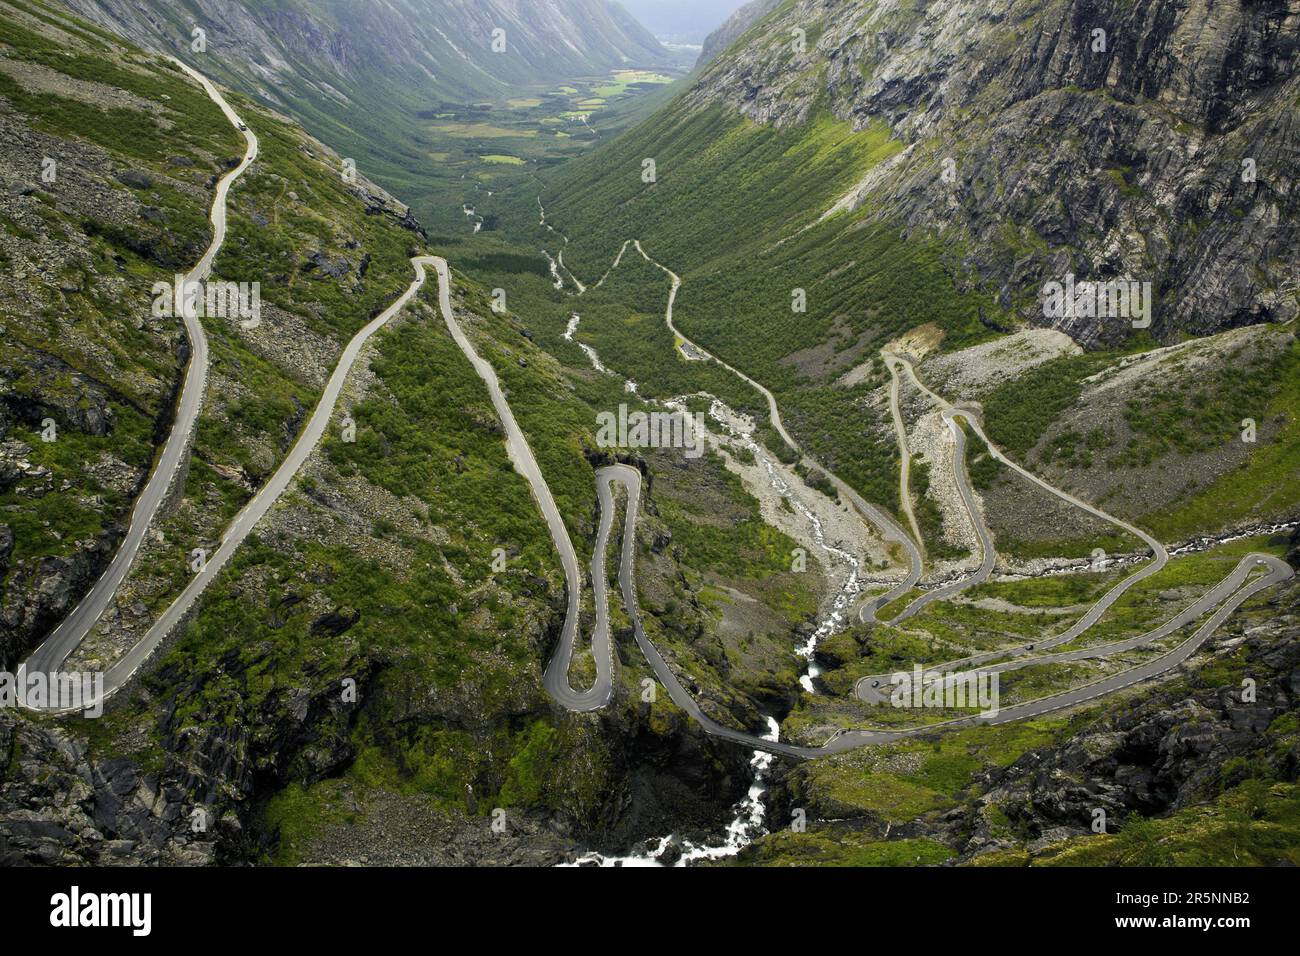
(1167, 425)
(428, 435)
(80, 322)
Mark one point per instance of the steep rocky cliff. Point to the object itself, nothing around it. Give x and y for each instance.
(1153, 140)
(734, 28)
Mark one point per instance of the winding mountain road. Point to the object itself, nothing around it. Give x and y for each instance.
(239, 529)
(72, 630)
(889, 528)
(869, 611)
(869, 687)
(65, 639)
(905, 454)
(1227, 596)
(556, 677)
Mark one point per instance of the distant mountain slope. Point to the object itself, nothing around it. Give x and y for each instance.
(901, 168)
(682, 21)
(370, 78)
(427, 49)
(1150, 140)
(734, 28)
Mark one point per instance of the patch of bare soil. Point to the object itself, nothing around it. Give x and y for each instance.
(840, 350)
(919, 342)
(980, 368)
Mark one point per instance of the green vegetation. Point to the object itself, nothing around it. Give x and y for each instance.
(901, 782)
(756, 185)
(1269, 481)
(726, 605)
(624, 321)
(749, 548)
(1057, 591)
(440, 610)
(1254, 824)
(1196, 410)
(79, 348)
(930, 517)
(719, 534)
(281, 239)
(726, 190)
(193, 122)
(1196, 419)
(1019, 411)
(841, 848)
(982, 468)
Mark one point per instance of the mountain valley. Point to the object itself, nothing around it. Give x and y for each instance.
(830, 246)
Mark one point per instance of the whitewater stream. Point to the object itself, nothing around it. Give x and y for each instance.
(834, 619)
(745, 827)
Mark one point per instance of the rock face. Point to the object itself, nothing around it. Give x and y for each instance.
(183, 763)
(1174, 747)
(1151, 140)
(58, 806)
(39, 594)
(62, 804)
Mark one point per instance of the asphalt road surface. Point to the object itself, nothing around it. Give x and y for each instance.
(630, 478)
(869, 687)
(868, 613)
(67, 637)
(126, 666)
(556, 677)
(1228, 595)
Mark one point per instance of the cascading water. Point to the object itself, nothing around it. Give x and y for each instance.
(834, 619)
(745, 827)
